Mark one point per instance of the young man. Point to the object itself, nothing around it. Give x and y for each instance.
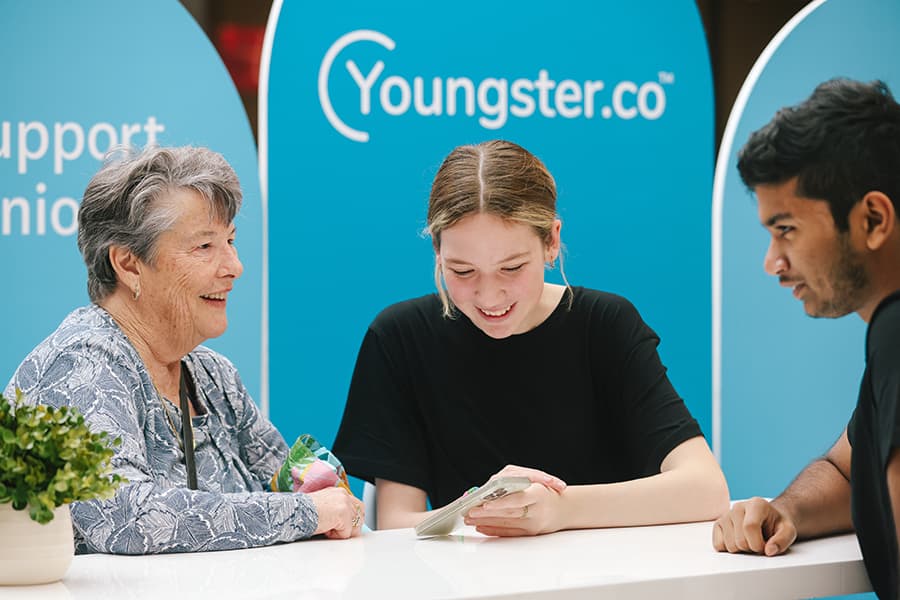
(826, 174)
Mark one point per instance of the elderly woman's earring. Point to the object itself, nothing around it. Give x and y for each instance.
(137, 291)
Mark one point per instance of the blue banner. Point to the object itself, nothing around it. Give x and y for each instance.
(362, 101)
(788, 382)
(80, 78)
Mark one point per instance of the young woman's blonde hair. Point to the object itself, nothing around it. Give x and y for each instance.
(497, 178)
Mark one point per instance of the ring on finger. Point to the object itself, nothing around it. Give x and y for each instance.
(357, 518)
(524, 511)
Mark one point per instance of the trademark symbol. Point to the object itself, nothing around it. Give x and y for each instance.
(666, 77)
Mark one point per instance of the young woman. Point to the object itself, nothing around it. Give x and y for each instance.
(500, 369)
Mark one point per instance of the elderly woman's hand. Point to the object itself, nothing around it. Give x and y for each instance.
(340, 514)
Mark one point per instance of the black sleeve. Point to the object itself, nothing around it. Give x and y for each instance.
(883, 361)
(380, 433)
(652, 419)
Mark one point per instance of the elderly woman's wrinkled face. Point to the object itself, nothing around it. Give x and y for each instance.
(184, 292)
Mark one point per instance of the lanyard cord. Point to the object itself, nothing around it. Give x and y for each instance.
(187, 430)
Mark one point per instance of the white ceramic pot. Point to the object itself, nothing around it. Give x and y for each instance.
(31, 553)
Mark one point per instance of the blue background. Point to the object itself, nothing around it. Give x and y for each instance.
(346, 217)
(789, 382)
(634, 195)
(114, 62)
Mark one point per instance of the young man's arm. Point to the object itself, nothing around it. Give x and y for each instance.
(816, 503)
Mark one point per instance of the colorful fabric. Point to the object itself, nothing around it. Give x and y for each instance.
(309, 467)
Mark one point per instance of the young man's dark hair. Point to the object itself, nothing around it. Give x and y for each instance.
(841, 142)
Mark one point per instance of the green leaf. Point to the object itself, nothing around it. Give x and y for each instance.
(50, 457)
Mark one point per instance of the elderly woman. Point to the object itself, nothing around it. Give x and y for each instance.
(156, 233)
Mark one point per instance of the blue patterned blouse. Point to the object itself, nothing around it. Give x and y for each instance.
(89, 363)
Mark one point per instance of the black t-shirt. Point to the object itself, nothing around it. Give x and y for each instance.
(874, 430)
(437, 404)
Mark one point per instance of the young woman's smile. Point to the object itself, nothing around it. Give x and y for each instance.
(494, 273)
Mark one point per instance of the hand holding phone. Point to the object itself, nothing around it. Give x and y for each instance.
(445, 520)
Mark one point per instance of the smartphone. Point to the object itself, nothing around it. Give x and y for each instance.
(445, 520)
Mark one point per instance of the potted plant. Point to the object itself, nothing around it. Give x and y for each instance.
(48, 458)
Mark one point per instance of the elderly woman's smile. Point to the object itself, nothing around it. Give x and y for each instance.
(184, 288)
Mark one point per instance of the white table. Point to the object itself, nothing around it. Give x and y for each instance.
(673, 561)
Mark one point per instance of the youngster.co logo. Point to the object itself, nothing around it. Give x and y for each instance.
(496, 98)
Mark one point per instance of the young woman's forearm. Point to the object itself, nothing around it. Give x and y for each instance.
(670, 497)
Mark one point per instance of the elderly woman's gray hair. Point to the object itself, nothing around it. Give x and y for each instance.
(122, 205)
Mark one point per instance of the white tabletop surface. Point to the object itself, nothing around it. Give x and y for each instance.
(673, 561)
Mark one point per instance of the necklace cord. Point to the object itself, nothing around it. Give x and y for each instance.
(187, 429)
